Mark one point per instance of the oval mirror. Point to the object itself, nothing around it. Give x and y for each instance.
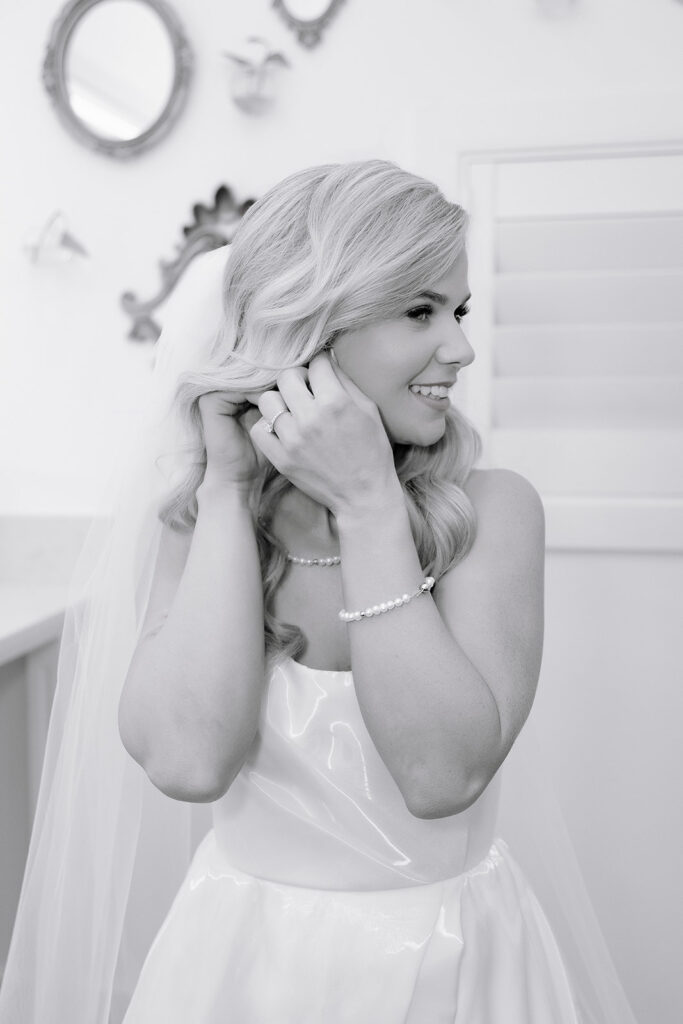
(117, 71)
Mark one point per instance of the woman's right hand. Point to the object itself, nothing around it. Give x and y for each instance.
(227, 417)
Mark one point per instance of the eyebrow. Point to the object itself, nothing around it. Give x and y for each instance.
(441, 300)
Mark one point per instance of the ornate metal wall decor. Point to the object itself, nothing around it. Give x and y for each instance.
(212, 227)
(308, 29)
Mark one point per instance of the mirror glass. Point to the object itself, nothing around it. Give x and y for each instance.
(306, 10)
(119, 69)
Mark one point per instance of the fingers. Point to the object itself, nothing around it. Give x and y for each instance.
(299, 387)
(226, 403)
(268, 443)
(293, 387)
(270, 404)
(249, 418)
(292, 394)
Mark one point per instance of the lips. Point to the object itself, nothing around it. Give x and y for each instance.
(433, 383)
(436, 403)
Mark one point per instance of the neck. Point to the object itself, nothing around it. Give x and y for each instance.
(319, 522)
(313, 523)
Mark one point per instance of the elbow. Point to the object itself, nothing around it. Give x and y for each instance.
(193, 766)
(429, 801)
(186, 783)
(183, 782)
(188, 788)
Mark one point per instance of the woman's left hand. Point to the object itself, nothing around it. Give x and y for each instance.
(330, 440)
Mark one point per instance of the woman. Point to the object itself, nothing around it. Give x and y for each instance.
(337, 640)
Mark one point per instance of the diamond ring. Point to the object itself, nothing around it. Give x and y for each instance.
(270, 424)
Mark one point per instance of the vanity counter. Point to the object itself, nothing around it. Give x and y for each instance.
(31, 615)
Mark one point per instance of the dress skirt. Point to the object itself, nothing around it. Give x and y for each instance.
(237, 949)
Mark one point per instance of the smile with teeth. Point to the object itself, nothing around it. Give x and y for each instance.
(433, 390)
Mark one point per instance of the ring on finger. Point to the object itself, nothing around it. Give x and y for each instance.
(270, 424)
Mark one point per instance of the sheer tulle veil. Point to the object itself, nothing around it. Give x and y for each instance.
(108, 851)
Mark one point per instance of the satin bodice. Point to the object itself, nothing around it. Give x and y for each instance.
(315, 805)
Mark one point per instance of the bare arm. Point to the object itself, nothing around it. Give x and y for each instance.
(445, 683)
(190, 703)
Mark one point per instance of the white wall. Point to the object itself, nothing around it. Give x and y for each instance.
(419, 82)
(609, 707)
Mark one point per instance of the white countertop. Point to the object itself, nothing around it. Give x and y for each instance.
(31, 615)
(37, 558)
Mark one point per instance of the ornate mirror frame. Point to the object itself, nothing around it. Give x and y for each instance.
(309, 31)
(213, 226)
(55, 81)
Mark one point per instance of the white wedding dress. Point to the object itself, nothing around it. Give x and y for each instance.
(317, 898)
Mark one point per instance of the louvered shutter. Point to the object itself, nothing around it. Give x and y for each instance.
(576, 270)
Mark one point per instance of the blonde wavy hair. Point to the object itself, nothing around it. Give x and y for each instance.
(330, 249)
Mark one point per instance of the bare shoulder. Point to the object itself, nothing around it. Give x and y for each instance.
(506, 499)
(483, 483)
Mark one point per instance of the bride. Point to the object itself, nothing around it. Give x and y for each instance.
(315, 614)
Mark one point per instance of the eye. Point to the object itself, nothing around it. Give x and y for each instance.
(420, 313)
(460, 313)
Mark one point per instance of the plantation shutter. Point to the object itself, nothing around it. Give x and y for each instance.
(576, 270)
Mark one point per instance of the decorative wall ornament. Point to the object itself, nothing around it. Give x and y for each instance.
(253, 73)
(53, 243)
(212, 227)
(117, 72)
(307, 18)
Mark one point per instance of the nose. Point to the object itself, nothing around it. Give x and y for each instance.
(456, 348)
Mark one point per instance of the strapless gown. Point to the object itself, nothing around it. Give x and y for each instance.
(317, 898)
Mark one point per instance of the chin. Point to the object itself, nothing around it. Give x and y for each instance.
(423, 435)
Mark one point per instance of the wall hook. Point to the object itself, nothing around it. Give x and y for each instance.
(54, 243)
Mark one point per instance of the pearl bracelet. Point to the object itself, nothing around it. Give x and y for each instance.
(387, 606)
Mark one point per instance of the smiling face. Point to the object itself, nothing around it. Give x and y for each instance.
(424, 345)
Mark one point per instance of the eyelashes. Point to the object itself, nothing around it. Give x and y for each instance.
(421, 314)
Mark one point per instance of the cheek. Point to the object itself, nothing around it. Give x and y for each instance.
(391, 395)
(390, 392)
(376, 377)
(382, 367)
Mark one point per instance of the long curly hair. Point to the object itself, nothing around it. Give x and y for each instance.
(329, 249)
